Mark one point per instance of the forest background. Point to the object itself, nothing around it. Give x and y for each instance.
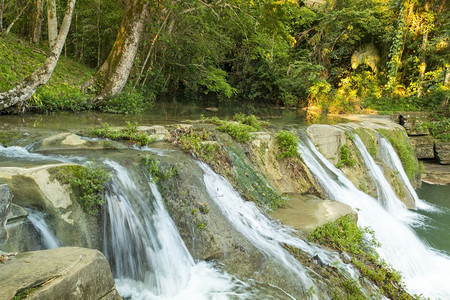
(337, 55)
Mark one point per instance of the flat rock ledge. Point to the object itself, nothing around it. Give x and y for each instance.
(61, 273)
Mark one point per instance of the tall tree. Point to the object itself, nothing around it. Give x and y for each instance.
(26, 88)
(37, 30)
(52, 23)
(112, 76)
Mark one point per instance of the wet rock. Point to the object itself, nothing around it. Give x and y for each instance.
(157, 133)
(5, 207)
(307, 212)
(443, 152)
(423, 146)
(67, 140)
(61, 273)
(35, 188)
(435, 173)
(328, 140)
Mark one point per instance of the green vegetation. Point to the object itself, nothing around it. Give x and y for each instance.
(159, 172)
(130, 101)
(18, 59)
(345, 236)
(287, 143)
(23, 294)
(341, 56)
(88, 183)
(439, 126)
(241, 126)
(198, 140)
(240, 132)
(369, 140)
(130, 134)
(405, 151)
(344, 158)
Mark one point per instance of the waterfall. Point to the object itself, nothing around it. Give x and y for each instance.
(265, 234)
(390, 158)
(37, 219)
(424, 270)
(148, 256)
(385, 193)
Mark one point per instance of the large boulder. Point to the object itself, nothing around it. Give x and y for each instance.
(36, 188)
(443, 152)
(61, 273)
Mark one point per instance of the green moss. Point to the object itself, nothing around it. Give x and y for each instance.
(405, 151)
(368, 140)
(130, 134)
(88, 183)
(249, 183)
(23, 294)
(197, 140)
(344, 158)
(345, 236)
(287, 143)
(158, 171)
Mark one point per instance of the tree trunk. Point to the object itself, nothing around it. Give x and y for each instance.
(52, 23)
(25, 89)
(16, 19)
(2, 4)
(37, 30)
(112, 76)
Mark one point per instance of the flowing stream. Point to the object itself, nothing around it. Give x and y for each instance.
(48, 238)
(424, 270)
(147, 253)
(265, 234)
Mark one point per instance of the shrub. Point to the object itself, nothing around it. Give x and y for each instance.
(287, 143)
(88, 183)
(344, 158)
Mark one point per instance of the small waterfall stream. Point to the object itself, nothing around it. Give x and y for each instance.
(147, 253)
(48, 238)
(267, 235)
(424, 270)
(390, 158)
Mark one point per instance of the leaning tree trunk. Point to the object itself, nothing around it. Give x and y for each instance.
(25, 89)
(37, 30)
(52, 23)
(112, 76)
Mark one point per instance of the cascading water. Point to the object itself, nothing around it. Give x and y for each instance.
(265, 234)
(147, 253)
(38, 221)
(390, 158)
(424, 270)
(385, 193)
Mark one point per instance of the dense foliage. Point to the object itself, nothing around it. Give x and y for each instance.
(341, 55)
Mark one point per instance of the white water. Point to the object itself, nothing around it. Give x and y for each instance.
(265, 234)
(149, 257)
(20, 152)
(37, 219)
(424, 270)
(390, 158)
(385, 193)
